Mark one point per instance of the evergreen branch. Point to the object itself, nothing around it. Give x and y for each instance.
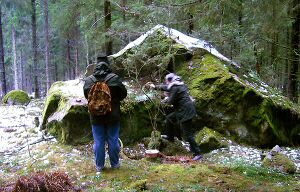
(186, 4)
(125, 9)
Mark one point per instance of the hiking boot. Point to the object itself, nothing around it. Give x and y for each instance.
(116, 167)
(197, 157)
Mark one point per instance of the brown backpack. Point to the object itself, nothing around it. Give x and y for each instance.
(99, 97)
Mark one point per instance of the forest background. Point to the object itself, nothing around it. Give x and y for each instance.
(43, 41)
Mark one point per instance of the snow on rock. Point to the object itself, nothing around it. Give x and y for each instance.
(190, 43)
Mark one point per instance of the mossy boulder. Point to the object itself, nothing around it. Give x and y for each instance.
(136, 119)
(239, 104)
(280, 162)
(209, 140)
(16, 97)
(229, 99)
(65, 113)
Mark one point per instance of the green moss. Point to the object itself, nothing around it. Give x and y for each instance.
(68, 130)
(209, 140)
(155, 140)
(139, 185)
(280, 162)
(140, 121)
(235, 106)
(18, 97)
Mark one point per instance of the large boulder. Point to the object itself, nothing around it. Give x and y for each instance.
(239, 104)
(65, 113)
(230, 99)
(16, 97)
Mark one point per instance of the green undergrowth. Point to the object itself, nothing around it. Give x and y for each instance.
(144, 175)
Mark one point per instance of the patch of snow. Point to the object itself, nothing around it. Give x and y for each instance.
(190, 43)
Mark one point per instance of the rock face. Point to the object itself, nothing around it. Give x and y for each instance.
(209, 140)
(65, 113)
(240, 105)
(16, 97)
(228, 98)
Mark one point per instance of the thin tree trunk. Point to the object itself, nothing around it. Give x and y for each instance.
(86, 50)
(14, 50)
(47, 52)
(123, 5)
(68, 58)
(21, 67)
(292, 85)
(286, 67)
(76, 62)
(107, 26)
(2, 67)
(190, 24)
(257, 62)
(34, 48)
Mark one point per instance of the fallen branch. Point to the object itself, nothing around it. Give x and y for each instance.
(27, 145)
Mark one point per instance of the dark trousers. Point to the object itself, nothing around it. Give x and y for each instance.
(186, 128)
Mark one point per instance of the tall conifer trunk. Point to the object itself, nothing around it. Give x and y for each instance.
(47, 52)
(107, 25)
(14, 50)
(2, 67)
(292, 85)
(34, 49)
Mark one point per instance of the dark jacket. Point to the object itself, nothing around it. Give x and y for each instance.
(181, 101)
(117, 90)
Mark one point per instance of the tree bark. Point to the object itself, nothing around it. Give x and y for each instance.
(47, 52)
(123, 5)
(2, 67)
(76, 62)
(107, 26)
(190, 23)
(292, 80)
(14, 50)
(21, 67)
(257, 62)
(34, 49)
(68, 58)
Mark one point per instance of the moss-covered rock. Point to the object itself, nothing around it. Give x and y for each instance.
(136, 120)
(209, 140)
(16, 97)
(66, 116)
(173, 148)
(279, 162)
(139, 185)
(155, 140)
(240, 106)
(65, 113)
(229, 99)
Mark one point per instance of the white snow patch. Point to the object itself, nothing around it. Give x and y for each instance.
(190, 43)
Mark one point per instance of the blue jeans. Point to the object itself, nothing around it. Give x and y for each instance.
(106, 133)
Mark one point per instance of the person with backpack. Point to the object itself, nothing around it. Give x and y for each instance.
(184, 110)
(104, 90)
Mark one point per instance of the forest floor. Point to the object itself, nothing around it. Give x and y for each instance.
(25, 151)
